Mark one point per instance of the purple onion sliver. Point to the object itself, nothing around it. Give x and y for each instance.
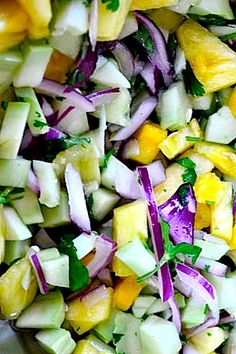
(234, 205)
(63, 115)
(27, 140)
(124, 59)
(32, 182)
(46, 107)
(39, 273)
(213, 266)
(103, 97)
(183, 288)
(156, 172)
(93, 23)
(93, 296)
(54, 134)
(176, 317)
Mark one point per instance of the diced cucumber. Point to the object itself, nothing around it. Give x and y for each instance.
(103, 201)
(5, 80)
(56, 341)
(90, 187)
(130, 341)
(57, 216)
(15, 229)
(67, 30)
(130, 26)
(142, 304)
(202, 103)
(174, 109)
(93, 345)
(180, 299)
(157, 306)
(136, 257)
(14, 173)
(48, 183)
(155, 332)
(216, 7)
(212, 250)
(10, 60)
(56, 271)
(15, 250)
(48, 254)
(36, 56)
(28, 207)
(221, 126)
(183, 6)
(193, 314)
(108, 75)
(10, 139)
(47, 312)
(36, 115)
(109, 173)
(84, 244)
(104, 330)
(121, 321)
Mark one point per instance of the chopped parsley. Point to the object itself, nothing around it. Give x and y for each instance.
(193, 86)
(142, 36)
(147, 275)
(9, 194)
(207, 267)
(206, 309)
(209, 202)
(66, 143)
(193, 138)
(39, 124)
(38, 114)
(104, 162)
(209, 334)
(111, 5)
(210, 19)
(189, 175)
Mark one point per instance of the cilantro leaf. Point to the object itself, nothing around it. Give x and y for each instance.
(111, 5)
(186, 162)
(193, 138)
(39, 124)
(78, 273)
(193, 86)
(75, 140)
(142, 36)
(87, 3)
(9, 194)
(189, 175)
(206, 309)
(103, 163)
(147, 275)
(210, 19)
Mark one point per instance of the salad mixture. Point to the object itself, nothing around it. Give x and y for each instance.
(117, 174)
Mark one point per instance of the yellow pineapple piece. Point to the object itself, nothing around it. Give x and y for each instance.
(2, 237)
(58, 66)
(232, 101)
(202, 216)
(82, 317)
(18, 287)
(129, 221)
(176, 142)
(9, 40)
(110, 23)
(209, 339)
(151, 4)
(233, 239)
(222, 216)
(169, 20)
(12, 17)
(92, 345)
(222, 156)
(208, 189)
(212, 61)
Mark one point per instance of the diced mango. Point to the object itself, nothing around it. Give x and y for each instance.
(209, 339)
(232, 101)
(222, 216)
(151, 4)
(110, 23)
(37, 32)
(18, 287)
(149, 136)
(212, 61)
(208, 189)
(176, 143)
(202, 216)
(233, 239)
(12, 17)
(169, 20)
(82, 318)
(2, 237)
(9, 40)
(129, 221)
(125, 293)
(222, 156)
(58, 67)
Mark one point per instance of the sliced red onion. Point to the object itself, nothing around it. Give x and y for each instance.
(234, 205)
(159, 57)
(38, 270)
(176, 317)
(54, 89)
(189, 349)
(124, 59)
(105, 276)
(153, 78)
(138, 65)
(105, 46)
(63, 115)
(105, 249)
(46, 107)
(32, 182)
(85, 67)
(43, 240)
(93, 23)
(166, 285)
(131, 148)
(212, 266)
(103, 97)
(156, 172)
(54, 134)
(182, 287)
(93, 296)
(27, 140)
(142, 113)
(180, 216)
(78, 209)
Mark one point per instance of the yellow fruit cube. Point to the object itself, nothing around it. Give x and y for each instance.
(209, 339)
(12, 17)
(177, 142)
(169, 20)
(84, 347)
(92, 345)
(37, 32)
(212, 61)
(202, 216)
(222, 156)
(151, 4)
(58, 66)
(9, 40)
(2, 237)
(233, 239)
(232, 101)
(208, 189)
(126, 292)
(110, 23)
(222, 216)
(82, 318)
(18, 287)
(149, 136)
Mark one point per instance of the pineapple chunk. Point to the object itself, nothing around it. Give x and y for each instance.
(202, 216)
(125, 292)
(232, 101)
(13, 17)
(222, 216)
(212, 61)
(209, 339)
(233, 240)
(92, 345)
(58, 66)
(9, 40)
(17, 283)
(151, 4)
(2, 235)
(222, 156)
(176, 142)
(110, 23)
(129, 221)
(82, 318)
(169, 20)
(208, 189)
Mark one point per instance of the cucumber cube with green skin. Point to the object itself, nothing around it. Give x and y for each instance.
(36, 56)
(48, 254)
(10, 60)
(56, 341)
(14, 173)
(15, 250)
(104, 330)
(216, 7)
(130, 341)
(84, 244)
(15, 229)
(57, 216)
(48, 183)
(103, 201)
(56, 271)
(12, 129)
(157, 306)
(5, 81)
(193, 314)
(36, 119)
(28, 207)
(47, 312)
(142, 304)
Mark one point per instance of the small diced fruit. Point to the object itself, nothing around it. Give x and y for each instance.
(209, 339)
(82, 318)
(18, 282)
(125, 292)
(9, 40)
(58, 66)
(202, 216)
(208, 189)
(13, 17)
(149, 136)
(177, 142)
(15, 229)
(232, 101)
(169, 20)
(56, 341)
(14, 250)
(151, 4)
(92, 345)
(233, 239)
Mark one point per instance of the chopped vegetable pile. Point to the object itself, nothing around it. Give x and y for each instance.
(118, 174)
